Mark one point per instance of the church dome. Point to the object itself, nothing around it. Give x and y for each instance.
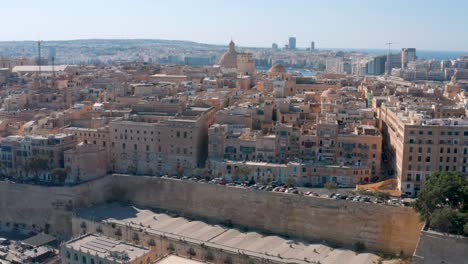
(277, 69)
(229, 58)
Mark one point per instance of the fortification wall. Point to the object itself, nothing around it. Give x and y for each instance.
(383, 228)
(34, 207)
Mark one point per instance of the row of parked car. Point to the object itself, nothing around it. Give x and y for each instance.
(292, 190)
(368, 199)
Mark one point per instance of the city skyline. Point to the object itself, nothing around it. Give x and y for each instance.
(369, 25)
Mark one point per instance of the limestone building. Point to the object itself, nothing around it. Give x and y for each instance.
(421, 143)
(97, 249)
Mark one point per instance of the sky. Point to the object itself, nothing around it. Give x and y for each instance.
(361, 24)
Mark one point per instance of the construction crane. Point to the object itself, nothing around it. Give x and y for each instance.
(388, 63)
(53, 71)
(39, 61)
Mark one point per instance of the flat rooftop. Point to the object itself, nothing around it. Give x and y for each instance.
(107, 247)
(177, 260)
(217, 236)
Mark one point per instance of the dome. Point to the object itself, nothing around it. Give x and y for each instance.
(229, 58)
(277, 69)
(328, 92)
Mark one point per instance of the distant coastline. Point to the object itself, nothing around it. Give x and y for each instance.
(422, 54)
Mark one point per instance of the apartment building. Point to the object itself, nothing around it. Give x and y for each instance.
(17, 150)
(160, 142)
(421, 144)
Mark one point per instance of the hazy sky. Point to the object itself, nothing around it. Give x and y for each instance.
(423, 24)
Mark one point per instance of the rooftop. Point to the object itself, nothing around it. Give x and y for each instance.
(176, 260)
(251, 243)
(107, 248)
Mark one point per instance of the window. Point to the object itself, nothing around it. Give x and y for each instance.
(178, 134)
(408, 177)
(428, 150)
(123, 145)
(420, 150)
(428, 159)
(419, 158)
(75, 257)
(429, 132)
(83, 260)
(410, 158)
(411, 149)
(135, 147)
(418, 177)
(147, 147)
(91, 261)
(454, 159)
(68, 255)
(465, 133)
(421, 132)
(455, 150)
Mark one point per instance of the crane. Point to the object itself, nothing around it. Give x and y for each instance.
(388, 63)
(39, 61)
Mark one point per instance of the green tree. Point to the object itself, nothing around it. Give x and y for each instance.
(36, 164)
(58, 175)
(383, 196)
(132, 169)
(443, 202)
(331, 186)
(2, 168)
(290, 181)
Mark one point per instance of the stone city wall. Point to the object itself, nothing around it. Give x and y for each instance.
(41, 208)
(382, 228)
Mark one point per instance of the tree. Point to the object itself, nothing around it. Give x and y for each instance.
(443, 202)
(383, 196)
(441, 219)
(290, 181)
(36, 164)
(331, 186)
(58, 175)
(2, 168)
(132, 169)
(180, 170)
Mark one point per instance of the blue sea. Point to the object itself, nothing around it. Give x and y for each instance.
(422, 54)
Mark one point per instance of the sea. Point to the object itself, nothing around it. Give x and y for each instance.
(422, 54)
